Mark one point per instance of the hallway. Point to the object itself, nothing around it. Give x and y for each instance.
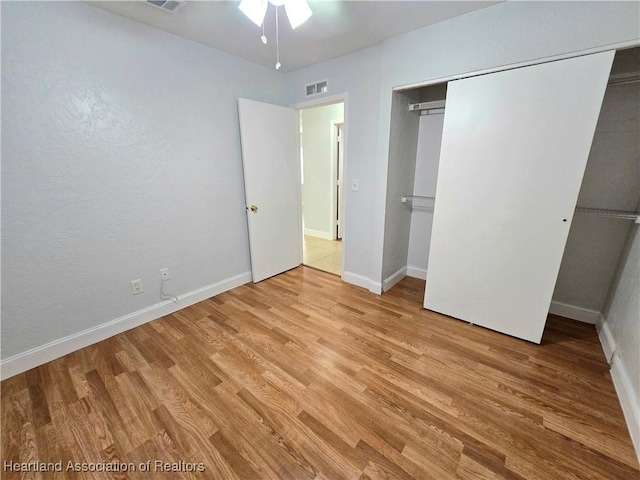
(325, 255)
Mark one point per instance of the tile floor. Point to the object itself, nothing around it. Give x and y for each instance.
(325, 255)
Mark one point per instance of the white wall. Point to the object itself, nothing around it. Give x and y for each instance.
(318, 145)
(503, 34)
(359, 75)
(426, 175)
(121, 155)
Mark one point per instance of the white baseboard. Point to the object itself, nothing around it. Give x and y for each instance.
(34, 357)
(622, 382)
(318, 234)
(355, 279)
(359, 281)
(362, 281)
(574, 313)
(606, 339)
(628, 400)
(394, 278)
(416, 272)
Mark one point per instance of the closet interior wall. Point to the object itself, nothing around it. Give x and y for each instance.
(414, 151)
(426, 175)
(611, 181)
(403, 144)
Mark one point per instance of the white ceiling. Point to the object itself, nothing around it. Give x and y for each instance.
(336, 27)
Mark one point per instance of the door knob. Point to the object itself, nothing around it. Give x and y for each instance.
(254, 208)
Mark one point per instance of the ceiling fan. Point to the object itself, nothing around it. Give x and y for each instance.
(298, 12)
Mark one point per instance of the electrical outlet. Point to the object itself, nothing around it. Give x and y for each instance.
(164, 274)
(354, 185)
(136, 287)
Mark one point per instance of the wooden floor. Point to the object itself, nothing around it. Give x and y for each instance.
(303, 376)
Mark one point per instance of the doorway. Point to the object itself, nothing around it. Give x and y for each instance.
(322, 166)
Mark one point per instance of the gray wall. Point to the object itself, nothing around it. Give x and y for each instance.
(120, 156)
(92, 199)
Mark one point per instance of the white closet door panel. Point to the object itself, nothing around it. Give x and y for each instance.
(514, 149)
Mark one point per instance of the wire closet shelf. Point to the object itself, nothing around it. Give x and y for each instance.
(603, 212)
(419, 203)
(422, 203)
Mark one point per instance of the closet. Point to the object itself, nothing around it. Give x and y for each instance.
(489, 221)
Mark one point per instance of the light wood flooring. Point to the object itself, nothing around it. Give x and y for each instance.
(303, 376)
(325, 255)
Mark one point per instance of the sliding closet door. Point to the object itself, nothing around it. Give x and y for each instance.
(514, 149)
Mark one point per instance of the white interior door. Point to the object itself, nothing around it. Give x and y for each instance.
(271, 168)
(514, 150)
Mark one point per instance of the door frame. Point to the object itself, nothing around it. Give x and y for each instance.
(319, 102)
(338, 174)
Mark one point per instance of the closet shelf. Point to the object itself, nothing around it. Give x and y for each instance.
(416, 202)
(621, 214)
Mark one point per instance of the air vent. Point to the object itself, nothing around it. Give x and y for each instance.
(316, 88)
(321, 87)
(171, 6)
(427, 105)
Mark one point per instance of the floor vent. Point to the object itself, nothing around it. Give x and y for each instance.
(171, 6)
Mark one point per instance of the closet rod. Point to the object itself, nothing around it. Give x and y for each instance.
(603, 212)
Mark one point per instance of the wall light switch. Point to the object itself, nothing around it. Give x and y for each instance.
(354, 185)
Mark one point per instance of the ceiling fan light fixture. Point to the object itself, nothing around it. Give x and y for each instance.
(298, 12)
(255, 10)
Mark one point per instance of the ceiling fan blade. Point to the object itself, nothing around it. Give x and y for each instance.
(298, 12)
(254, 9)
